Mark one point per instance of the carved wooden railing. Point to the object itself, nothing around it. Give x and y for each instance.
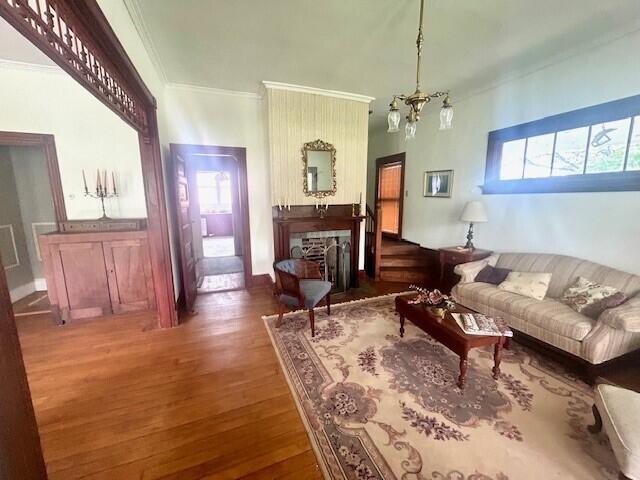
(372, 242)
(67, 38)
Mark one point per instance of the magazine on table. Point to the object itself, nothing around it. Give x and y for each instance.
(478, 324)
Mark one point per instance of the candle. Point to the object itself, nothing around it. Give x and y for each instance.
(98, 183)
(105, 183)
(113, 180)
(360, 201)
(84, 180)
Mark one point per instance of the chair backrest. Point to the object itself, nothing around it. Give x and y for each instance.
(286, 280)
(289, 273)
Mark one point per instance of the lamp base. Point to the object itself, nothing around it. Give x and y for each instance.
(469, 245)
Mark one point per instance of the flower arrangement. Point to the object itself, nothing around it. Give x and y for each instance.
(432, 298)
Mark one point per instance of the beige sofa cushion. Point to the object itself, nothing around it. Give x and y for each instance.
(529, 284)
(547, 314)
(620, 412)
(566, 270)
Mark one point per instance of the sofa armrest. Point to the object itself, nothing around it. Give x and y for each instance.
(468, 271)
(625, 317)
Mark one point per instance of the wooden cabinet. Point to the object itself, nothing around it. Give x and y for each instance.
(96, 274)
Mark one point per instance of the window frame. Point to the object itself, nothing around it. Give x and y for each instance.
(591, 182)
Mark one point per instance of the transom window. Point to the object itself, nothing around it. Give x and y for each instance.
(591, 149)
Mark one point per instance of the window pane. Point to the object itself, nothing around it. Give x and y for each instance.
(607, 146)
(512, 160)
(571, 149)
(205, 179)
(633, 162)
(538, 159)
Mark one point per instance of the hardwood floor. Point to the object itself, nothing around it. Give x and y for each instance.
(119, 399)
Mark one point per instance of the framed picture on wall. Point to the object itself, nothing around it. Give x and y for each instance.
(438, 183)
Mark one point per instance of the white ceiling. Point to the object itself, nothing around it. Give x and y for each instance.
(359, 46)
(368, 46)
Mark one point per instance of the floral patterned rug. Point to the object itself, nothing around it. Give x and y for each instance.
(377, 406)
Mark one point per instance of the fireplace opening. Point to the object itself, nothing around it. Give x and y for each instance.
(331, 249)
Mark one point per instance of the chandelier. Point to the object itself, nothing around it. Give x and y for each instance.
(417, 100)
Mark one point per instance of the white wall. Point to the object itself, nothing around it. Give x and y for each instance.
(602, 227)
(210, 117)
(87, 136)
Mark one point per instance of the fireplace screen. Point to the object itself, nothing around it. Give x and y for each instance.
(331, 249)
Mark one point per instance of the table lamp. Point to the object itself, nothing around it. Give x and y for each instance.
(473, 212)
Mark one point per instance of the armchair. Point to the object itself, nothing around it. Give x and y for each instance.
(299, 284)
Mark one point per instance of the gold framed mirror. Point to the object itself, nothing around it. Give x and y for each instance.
(319, 169)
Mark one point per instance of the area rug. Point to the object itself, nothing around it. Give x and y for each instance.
(377, 406)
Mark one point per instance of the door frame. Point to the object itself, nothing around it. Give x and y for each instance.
(114, 81)
(48, 144)
(398, 158)
(240, 156)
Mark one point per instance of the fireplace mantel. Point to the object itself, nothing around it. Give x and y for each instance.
(305, 218)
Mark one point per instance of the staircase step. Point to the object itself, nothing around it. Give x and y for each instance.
(400, 248)
(410, 260)
(418, 275)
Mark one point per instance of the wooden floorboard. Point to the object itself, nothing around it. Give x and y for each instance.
(117, 398)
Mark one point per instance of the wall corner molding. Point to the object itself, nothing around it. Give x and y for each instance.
(212, 91)
(133, 8)
(33, 67)
(356, 97)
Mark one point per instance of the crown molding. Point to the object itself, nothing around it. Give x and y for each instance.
(33, 67)
(212, 91)
(133, 8)
(317, 91)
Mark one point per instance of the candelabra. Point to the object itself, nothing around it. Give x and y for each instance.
(102, 189)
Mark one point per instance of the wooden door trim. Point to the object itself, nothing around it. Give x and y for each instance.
(20, 449)
(48, 144)
(240, 155)
(391, 159)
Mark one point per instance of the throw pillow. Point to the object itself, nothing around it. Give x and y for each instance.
(529, 284)
(492, 275)
(590, 298)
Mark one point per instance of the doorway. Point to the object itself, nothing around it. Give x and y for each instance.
(390, 194)
(216, 239)
(212, 219)
(32, 204)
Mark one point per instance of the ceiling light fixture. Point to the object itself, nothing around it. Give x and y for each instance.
(417, 100)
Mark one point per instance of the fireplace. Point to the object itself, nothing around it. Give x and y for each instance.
(331, 239)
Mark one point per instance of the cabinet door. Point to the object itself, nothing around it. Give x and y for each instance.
(81, 280)
(129, 274)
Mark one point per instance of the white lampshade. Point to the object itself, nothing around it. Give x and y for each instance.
(446, 117)
(410, 130)
(393, 119)
(474, 212)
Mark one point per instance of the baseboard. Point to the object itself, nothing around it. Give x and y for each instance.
(262, 280)
(22, 291)
(40, 284)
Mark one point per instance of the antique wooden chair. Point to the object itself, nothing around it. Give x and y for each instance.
(299, 284)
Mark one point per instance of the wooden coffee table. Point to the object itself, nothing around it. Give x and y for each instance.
(448, 333)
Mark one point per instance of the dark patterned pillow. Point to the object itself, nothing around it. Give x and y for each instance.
(590, 298)
(492, 275)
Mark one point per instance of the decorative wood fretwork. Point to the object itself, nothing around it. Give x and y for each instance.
(74, 49)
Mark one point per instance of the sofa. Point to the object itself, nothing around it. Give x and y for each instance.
(613, 334)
